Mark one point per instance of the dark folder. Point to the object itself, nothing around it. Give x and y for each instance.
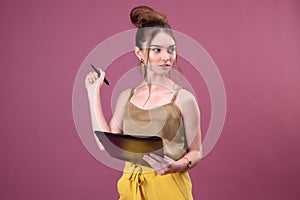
(130, 147)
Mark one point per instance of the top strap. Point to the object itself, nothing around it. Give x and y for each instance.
(131, 94)
(175, 95)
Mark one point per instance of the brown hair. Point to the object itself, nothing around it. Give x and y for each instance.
(142, 14)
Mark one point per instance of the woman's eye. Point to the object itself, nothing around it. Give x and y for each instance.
(156, 50)
(171, 50)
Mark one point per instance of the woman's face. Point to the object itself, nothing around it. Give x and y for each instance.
(162, 53)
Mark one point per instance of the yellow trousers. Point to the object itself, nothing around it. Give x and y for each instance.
(142, 183)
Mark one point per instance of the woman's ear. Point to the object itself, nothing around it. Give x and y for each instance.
(139, 53)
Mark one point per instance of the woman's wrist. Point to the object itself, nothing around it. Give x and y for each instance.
(188, 162)
(184, 163)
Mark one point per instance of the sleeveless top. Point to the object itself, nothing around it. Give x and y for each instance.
(165, 121)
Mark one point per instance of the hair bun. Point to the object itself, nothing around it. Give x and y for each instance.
(143, 14)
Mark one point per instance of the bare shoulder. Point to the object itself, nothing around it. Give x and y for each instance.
(123, 96)
(125, 93)
(188, 105)
(185, 96)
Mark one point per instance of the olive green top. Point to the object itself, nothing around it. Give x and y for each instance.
(165, 121)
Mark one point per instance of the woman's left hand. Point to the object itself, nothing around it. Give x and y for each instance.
(165, 165)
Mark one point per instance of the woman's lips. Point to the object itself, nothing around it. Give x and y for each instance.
(164, 65)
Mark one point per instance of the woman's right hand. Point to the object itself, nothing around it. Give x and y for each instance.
(93, 82)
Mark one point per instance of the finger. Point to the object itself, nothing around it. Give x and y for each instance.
(95, 75)
(168, 159)
(162, 160)
(88, 79)
(102, 75)
(152, 162)
(156, 165)
(97, 82)
(156, 157)
(164, 171)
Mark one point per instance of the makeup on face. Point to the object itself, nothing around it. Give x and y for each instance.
(161, 52)
(158, 48)
(162, 55)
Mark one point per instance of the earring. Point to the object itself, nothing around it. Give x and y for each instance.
(142, 60)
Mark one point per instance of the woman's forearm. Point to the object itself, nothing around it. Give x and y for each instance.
(97, 117)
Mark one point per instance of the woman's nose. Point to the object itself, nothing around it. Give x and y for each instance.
(165, 56)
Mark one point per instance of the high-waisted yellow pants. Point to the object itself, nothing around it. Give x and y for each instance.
(142, 183)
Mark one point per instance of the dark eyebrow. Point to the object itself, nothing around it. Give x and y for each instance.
(154, 45)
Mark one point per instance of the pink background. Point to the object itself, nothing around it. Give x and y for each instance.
(255, 44)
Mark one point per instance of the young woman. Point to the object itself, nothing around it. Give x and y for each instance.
(158, 106)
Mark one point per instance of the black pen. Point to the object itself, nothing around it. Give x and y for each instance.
(98, 73)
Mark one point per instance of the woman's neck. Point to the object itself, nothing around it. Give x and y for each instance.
(154, 84)
(158, 79)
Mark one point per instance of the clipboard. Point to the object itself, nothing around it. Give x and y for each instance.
(130, 148)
